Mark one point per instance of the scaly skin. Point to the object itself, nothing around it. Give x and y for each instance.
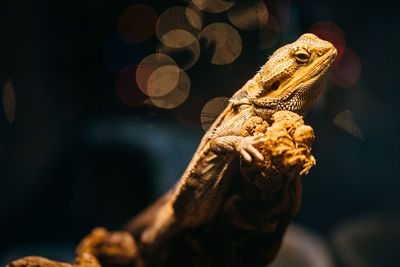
(292, 79)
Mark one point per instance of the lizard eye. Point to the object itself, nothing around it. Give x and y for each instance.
(301, 56)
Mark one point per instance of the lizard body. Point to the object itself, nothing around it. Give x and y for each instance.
(216, 215)
(292, 79)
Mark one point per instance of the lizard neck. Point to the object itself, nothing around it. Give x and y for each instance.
(299, 100)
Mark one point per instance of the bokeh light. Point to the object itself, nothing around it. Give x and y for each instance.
(9, 103)
(269, 34)
(211, 110)
(213, 6)
(348, 71)
(249, 15)
(137, 23)
(223, 43)
(177, 96)
(314, 251)
(178, 38)
(126, 88)
(345, 121)
(194, 17)
(371, 239)
(330, 32)
(117, 54)
(163, 80)
(173, 28)
(185, 57)
(147, 66)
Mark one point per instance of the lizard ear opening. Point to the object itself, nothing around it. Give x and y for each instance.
(275, 85)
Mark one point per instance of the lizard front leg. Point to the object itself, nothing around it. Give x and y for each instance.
(227, 139)
(198, 195)
(246, 146)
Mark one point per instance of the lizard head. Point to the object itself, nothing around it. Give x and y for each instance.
(293, 77)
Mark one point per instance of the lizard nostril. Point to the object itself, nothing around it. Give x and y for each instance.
(275, 85)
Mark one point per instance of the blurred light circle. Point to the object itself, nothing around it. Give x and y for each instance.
(249, 15)
(348, 71)
(126, 88)
(368, 241)
(213, 6)
(185, 57)
(194, 17)
(330, 32)
(173, 28)
(223, 43)
(147, 66)
(177, 96)
(211, 110)
(163, 80)
(178, 38)
(269, 33)
(303, 248)
(136, 23)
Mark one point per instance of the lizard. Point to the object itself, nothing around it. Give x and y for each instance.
(292, 79)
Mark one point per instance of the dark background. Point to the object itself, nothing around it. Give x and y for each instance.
(75, 157)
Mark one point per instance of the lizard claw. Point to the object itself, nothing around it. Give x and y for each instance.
(247, 150)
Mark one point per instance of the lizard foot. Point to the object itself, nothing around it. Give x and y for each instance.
(246, 147)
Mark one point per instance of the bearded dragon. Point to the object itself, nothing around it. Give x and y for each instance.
(292, 79)
(188, 217)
